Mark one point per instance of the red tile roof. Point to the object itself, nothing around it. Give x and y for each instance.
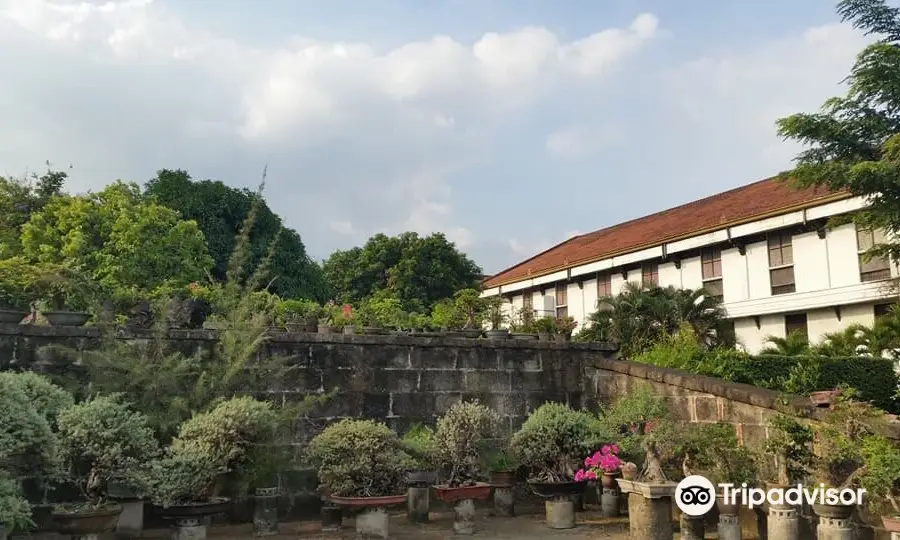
(743, 204)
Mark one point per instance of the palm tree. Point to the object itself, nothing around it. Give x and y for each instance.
(795, 344)
(847, 342)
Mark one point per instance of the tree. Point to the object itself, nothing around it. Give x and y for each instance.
(19, 199)
(853, 142)
(123, 241)
(638, 317)
(220, 211)
(417, 270)
(794, 344)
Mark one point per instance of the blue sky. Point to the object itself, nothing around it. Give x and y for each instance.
(508, 125)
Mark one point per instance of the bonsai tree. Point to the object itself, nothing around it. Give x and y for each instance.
(359, 458)
(880, 476)
(47, 398)
(494, 313)
(789, 441)
(545, 325)
(28, 446)
(459, 436)
(565, 326)
(302, 313)
(419, 442)
(447, 315)
(470, 307)
(103, 440)
(15, 513)
(553, 441)
(62, 288)
(714, 451)
(629, 419)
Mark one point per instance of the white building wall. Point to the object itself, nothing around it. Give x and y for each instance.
(734, 276)
(575, 303)
(589, 297)
(757, 260)
(753, 339)
(669, 275)
(825, 321)
(691, 273)
(843, 262)
(810, 262)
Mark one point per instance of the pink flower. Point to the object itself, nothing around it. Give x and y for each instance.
(615, 448)
(579, 476)
(590, 475)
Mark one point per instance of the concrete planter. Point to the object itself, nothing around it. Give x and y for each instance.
(265, 512)
(189, 521)
(374, 520)
(66, 318)
(12, 316)
(497, 334)
(560, 506)
(88, 525)
(464, 498)
(649, 509)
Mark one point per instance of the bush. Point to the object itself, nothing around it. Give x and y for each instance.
(15, 513)
(553, 441)
(458, 436)
(18, 280)
(102, 440)
(419, 442)
(27, 443)
(359, 458)
(304, 312)
(47, 398)
(180, 479)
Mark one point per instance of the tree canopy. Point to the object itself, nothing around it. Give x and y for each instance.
(853, 142)
(220, 210)
(417, 270)
(19, 199)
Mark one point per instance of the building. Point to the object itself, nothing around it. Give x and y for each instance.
(764, 248)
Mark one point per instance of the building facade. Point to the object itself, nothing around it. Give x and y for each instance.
(769, 251)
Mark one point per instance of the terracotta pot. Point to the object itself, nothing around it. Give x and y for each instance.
(824, 398)
(891, 524)
(503, 478)
(608, 480)
(449, 494)
(102, 520)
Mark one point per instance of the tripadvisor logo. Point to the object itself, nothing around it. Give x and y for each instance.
(696, 495)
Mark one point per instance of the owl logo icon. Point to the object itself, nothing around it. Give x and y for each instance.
(695, 495)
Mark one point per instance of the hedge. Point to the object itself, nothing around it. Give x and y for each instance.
(874, 378)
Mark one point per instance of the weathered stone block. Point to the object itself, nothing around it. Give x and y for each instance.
(412, 404)
(437, 358)
(706, 409)
(445, 400)
(441, 381)
(478, 358)
(486, 381)
(528, 362)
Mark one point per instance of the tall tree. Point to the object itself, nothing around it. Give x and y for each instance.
(417, 270)
(220, 211)
(853, 142)
(120, 239)
(19, 199)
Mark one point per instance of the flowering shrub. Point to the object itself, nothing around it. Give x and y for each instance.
(604, 461)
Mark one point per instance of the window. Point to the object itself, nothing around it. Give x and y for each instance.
(650, 274)
(781, 263)
(883, 309)
(871, 268)
(562, 291)
(528, 300)
(796, 323)
(711, 263)
(604, 285)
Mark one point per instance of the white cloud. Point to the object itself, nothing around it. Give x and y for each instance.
(577, 142)
(358, 139)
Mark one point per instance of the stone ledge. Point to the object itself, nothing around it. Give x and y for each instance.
(24, 330)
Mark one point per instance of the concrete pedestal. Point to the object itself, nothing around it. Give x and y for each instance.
(418, 504)
(692, 527)
(265, 512)
(560, 513)
(783, 524)
(464, 522)
(834, 529)
(609, 503)
(650, 519)
(373, 523)
(332, 518)
(504, 502)
(131, 520)
(189, 529)
(895, 536)
(729, 527)
(578, 502)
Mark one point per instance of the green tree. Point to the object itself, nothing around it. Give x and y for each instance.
(120, 239)
(853, 142)
(794, 344)
(19, 199)
(417, 270)
(220, 211)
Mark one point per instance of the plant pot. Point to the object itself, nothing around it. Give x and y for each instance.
(196, 510)
(66, 318)
(727, 509)
(368, 502)
(524, 337)
(323, 329)
(421, 478)
(608, 480)
(497, 334)
(562, 338)
(332, 517)
(824, 398)
(349, 331)
(630, 473)
(891, 523)
(12, 316)
(503, 478)
(373, 330)
(552, 490)
(479, 491)
(833, 511)
(545, 336)
(99, 521)
(42, 516)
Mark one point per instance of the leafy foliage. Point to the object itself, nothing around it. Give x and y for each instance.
(420, 443)
(15, 512)
(19, 200)
(47, 398)
(881, 474)
(714, 450)
(101, 440)
(553, 440)
(853, 142)
(359, 458)
(630, 418)
(179, 479)
(459, 434)
(789, 443)
(27, 443)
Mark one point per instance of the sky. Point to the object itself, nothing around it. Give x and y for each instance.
(508, 125)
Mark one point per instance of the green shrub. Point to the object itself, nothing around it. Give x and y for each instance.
(553, 441)
(460, 434)
(27, 443)
(179, 479)
(18, 280)
(304, 312)
(359, 458)
(419, 442)
(15, 512)
(47, 398)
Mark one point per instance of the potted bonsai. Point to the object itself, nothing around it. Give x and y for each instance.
(209, 451)
(789, 442)
(604, 465)
(298, 315)
(545, 328)
(101, 440)
(15, 513)
(459, 436)
(503, 467)
(496, 316)
(385, 312)
(469, 308)
(420, 444)
(65, 295)
(551, 443)
(361, 464)
(880, 477)
(17, 280)
(564, 328)
(522, 325)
